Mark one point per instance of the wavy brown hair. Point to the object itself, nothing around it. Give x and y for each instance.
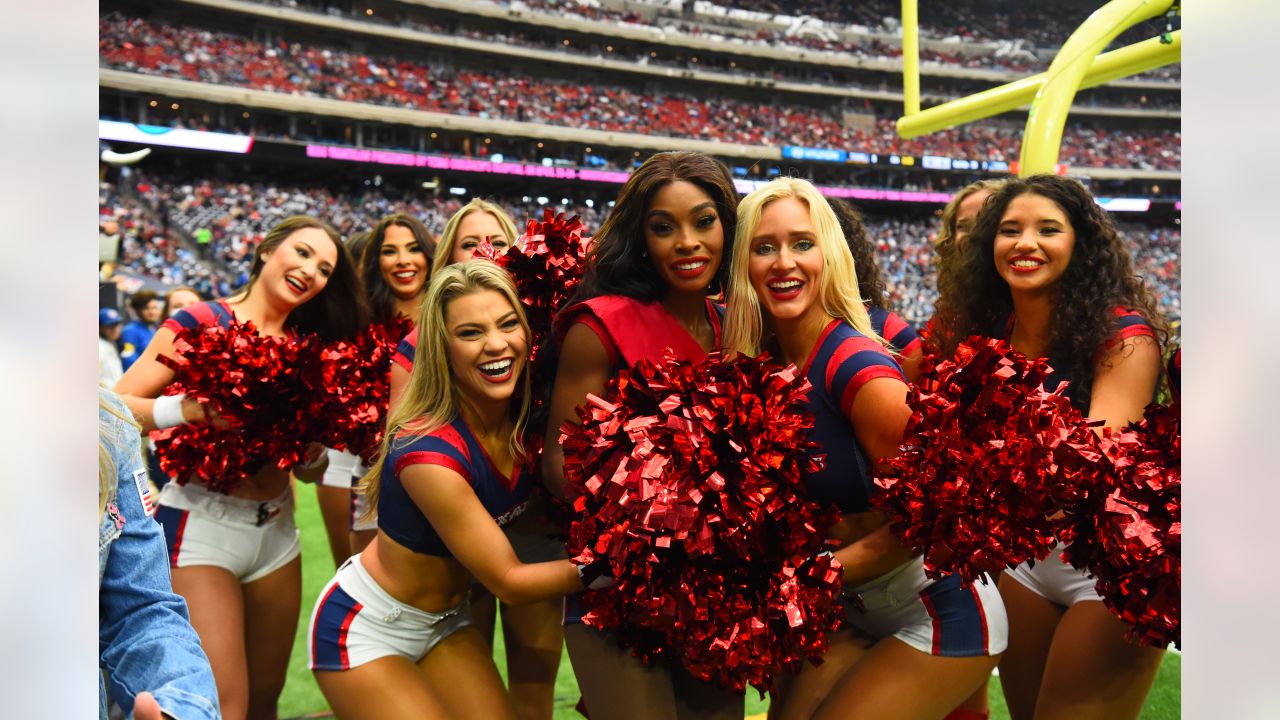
(378, 295)
(338, 311)
(870, 281)
(975, 300)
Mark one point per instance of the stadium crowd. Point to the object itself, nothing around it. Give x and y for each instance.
(1019, 28)
(608, 48)
(1010, 55)
(139, 46)
(239, 214)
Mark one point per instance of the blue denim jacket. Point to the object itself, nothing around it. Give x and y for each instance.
(145, 639)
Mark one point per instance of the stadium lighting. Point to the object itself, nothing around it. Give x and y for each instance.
(542, 200)
(565, 202)
(590, 203)
(457, 191)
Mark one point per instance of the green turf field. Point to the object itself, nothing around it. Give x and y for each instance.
(302, 697)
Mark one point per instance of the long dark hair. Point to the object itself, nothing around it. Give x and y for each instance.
(870, 282)
(975, 300)
(381, 301)
(616, 264)
(335, 312)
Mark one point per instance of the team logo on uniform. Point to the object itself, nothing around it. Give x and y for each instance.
(144, 491)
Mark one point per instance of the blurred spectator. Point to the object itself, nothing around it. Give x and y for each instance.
(108, 245)
(109, 367)
(203, 238)
(178, 298)
(135, 337)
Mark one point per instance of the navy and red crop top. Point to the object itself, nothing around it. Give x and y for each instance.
(841, 363)
(201, 314)
(455, 447)
(406, 351)
(1129, 324)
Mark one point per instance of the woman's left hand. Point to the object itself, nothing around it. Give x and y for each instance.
(316, 462)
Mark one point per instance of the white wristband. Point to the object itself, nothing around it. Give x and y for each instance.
(167, 411)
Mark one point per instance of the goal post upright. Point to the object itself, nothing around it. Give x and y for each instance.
(1076, 66)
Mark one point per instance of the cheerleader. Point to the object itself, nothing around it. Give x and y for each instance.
(921, 647)
(651, 269)
(234, 557)
(395, 258)
(475, 222)
(1045, 269)
(391, 635)
(531, 633)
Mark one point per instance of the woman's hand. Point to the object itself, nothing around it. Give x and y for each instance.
(145, 707)
(314, 463)
(194, 411)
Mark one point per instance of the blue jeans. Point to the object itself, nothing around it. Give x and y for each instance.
(145, 638)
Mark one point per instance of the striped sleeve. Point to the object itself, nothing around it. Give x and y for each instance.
(406, 351)
(193, 316)
(1130, 324)
(855, 362)
(444, 447)
(900, 334)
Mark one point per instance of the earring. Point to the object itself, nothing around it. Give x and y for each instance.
(644, 253)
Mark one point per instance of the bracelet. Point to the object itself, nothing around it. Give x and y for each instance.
(167, 411)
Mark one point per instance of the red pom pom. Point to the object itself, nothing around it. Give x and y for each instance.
(1130, 533)
(987, 457)
(690, 479)
(547, 265)
(351, 388)
(252, 381)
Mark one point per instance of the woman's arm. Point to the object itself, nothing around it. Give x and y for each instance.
(474, 538)
(910, 361)
(879, 415)
(146, 380)
(1124, 381)
(584, 368)
(145, 638)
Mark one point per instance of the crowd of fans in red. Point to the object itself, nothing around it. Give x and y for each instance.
(1035, 25)
(139, 46)
(239, 214)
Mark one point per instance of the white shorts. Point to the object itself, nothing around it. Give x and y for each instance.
(942, 618)
(355, 622)
(1056, 581)
(342, 465)
(360, 502)
(249, 538)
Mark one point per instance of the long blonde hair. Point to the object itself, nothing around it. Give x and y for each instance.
(449, 237)
(745, 327)
(111, 436)
(431, 399)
